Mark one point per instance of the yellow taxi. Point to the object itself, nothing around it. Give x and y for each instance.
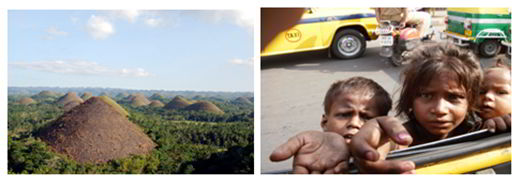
(343, 30)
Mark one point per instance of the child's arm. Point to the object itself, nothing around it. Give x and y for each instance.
(314, 153)
(501, 123)
(375, 135)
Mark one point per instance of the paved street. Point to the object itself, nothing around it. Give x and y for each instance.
(293, 88)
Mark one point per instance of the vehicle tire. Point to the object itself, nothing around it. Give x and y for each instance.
(348, 44)
(489, 48)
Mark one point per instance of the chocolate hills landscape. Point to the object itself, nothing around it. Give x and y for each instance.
(204, 106)
(70, 105)
(139, 100)
(69, 97)
(28, 91)
(86, 96)
(156, 96)
(156, 103)
(47, 94)
(96, 131)
(122, 95)
(105, 135)
(242, 100)
(26, 100)
(178, 102)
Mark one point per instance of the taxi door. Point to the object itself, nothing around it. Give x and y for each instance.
(304, 36)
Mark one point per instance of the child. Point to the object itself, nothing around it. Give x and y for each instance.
(347, 105)
(439, 94)
(496, 93)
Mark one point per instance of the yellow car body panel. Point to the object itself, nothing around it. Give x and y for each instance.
(467, 163)
(317, 27)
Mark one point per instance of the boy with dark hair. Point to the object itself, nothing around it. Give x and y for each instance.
(348, 104)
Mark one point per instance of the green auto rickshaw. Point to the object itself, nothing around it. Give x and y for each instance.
(485, 30)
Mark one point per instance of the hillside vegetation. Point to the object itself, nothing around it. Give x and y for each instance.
(184, 141)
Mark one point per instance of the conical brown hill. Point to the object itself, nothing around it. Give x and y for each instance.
(156, 103)
(156, 96)
(86, 95)
(69, 97)
(242, 100)
(204, 106)
(96, 132)
(177, 103)
(139, 100)
(45, 95)
(26, 100)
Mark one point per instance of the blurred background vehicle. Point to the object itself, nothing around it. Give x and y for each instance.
(485, 30)
(344, 31)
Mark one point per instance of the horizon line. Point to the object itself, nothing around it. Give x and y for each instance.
(131, 89)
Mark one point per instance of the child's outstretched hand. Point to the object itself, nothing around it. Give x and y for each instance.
(500, 123)
(373, 134)
(314, 153)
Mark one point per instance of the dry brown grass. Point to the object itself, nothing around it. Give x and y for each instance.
(156, 103)
(26, 100)
(177, 103)
(139, 100)
(69, 97)
(204, 106)
(242, 100)
(70, 105)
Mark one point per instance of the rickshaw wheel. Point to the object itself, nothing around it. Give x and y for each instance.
(489, 48)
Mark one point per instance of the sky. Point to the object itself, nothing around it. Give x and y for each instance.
(200, 50)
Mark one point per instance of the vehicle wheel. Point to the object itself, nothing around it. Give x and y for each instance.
(348, 44)
(489, 48)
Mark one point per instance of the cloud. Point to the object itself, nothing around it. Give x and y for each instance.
(138, 72)
(129, 15)
(153, 22)
(237, 61)
(99, 28)
(56, 32)
(242, 18)
(80, 68)
(53, 32)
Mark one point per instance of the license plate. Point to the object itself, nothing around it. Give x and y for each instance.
(383, 30)
(386, 40)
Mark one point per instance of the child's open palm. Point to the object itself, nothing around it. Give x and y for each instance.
(314, 152)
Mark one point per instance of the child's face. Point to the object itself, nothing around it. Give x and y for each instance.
(442, 105)
(495, 94)
(348, 112)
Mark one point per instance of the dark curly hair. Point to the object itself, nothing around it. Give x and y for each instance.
(359, 84)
